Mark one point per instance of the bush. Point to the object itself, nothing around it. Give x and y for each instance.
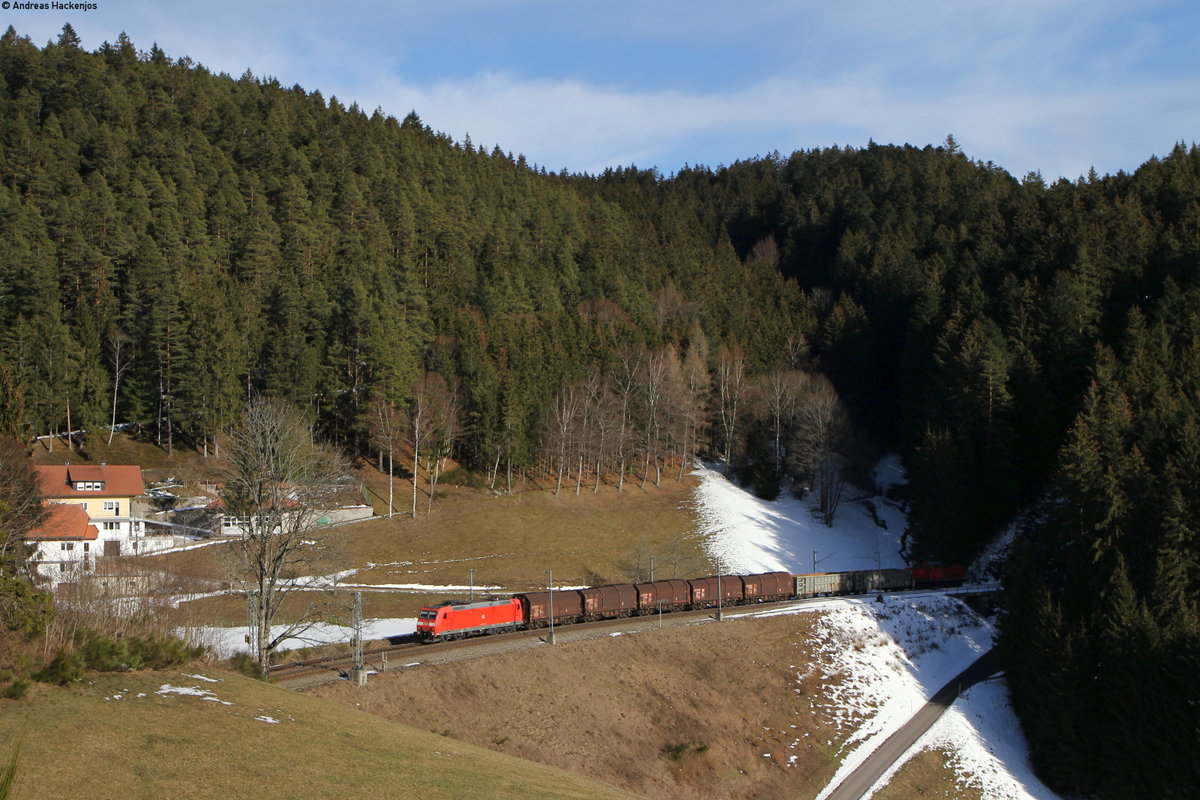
(160, 652)
(464, 477)
(101, 653)
(244, 663)
(67, 666)
(23, 608)
(17, 689)
(104, 654)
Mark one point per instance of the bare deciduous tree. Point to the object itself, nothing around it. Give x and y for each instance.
(561, 428)
(695, 388)
(780, 390)
(420, 423)
(387, 425)
(731, 390)
(278, 482)
(653, 382)
(624, 383)
(120, 349)
(821, 433)
(446, 415)
(20, 505)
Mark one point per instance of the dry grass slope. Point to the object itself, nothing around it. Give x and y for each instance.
(714, 711)
(83, 742)
(927, 774)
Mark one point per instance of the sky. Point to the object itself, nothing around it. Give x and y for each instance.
(1054, 86)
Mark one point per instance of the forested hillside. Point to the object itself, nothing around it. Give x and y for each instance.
(175, 241)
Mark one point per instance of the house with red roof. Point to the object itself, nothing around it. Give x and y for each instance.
(65, 544)
(106, 493)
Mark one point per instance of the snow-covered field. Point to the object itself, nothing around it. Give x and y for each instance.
(881, 661)
(226, 642)
(752, 535)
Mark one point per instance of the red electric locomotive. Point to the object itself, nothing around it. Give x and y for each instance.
(454, 620)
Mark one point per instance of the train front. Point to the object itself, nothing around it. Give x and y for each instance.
(427, 622)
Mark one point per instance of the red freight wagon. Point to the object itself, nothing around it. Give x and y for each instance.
(706, 590)
(671, 594)
(613, 600)
(767, 586)
(926, 574)
(568, 607)
(458, 619)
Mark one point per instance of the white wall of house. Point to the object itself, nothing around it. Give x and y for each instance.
(59, 560)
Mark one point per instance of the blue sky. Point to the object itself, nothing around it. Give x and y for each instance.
(1058, 86)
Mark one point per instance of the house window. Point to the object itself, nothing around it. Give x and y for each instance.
(112, 526)
(113, 505)
(89, 486)
(67, 546)
(85, 547)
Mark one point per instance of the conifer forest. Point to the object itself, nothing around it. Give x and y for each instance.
(173, 242)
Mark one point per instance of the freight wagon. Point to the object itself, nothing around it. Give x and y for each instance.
(860, 582)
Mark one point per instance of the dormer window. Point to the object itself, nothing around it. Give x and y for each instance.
(89, 486)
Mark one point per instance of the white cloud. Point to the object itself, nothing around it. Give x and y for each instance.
(1054, 85)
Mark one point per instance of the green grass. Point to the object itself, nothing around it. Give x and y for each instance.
(80, 743)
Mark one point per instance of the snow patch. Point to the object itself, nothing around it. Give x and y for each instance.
(191, 691)
(748, 534)
(227, 642)
(879, 662)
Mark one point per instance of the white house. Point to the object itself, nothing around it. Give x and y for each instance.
(65, 544)
(105, 493)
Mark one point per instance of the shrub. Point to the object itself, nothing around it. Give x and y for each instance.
(246, 664)
(17, 689)
(23, 608)
(65, 667)
(96, 651)
(160, 652)
(464, 477)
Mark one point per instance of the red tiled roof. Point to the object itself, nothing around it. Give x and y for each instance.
(64, 521)
(119, 481)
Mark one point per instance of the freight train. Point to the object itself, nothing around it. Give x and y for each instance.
(527, 610)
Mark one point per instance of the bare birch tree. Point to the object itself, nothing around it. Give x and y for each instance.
(731, 390)
(653, 385)
(446, 417)
(120, 349)
(278, 483)
(561, 429)
(822, 429)
(387, 426)
(624, 383)
(421, 417)
(780, 390)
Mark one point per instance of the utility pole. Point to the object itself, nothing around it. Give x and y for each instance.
(720, 615)
(550, 586)
(471, 586)
(358, 672)
(652, 569)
